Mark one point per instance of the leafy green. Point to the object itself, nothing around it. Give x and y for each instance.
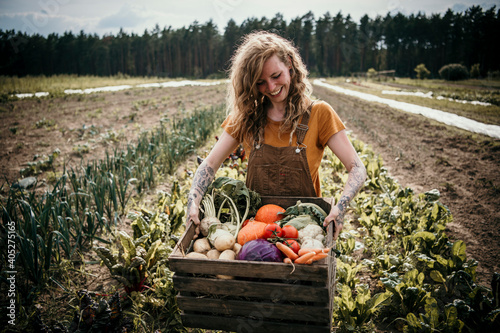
(240, 201)
(301, 209)
(244, 198)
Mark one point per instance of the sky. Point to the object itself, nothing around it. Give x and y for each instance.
(108, 17)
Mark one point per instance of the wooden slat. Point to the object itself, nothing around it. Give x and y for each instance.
(263, 310)
(246, 325)
(262, 290)
(251, 269)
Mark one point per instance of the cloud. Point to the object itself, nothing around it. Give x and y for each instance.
(129, 16)
(42, 23)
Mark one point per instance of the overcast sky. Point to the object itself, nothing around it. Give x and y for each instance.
(107, 17)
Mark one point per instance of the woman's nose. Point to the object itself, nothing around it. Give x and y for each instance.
(271, 86)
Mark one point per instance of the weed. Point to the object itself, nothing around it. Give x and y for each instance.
(45, 123)
(442, 161)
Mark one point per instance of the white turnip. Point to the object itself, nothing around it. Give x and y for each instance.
(213, 254)
(201, 245)
(210, 217)
(222, 240)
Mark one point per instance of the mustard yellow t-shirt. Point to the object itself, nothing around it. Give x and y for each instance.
(323, 123)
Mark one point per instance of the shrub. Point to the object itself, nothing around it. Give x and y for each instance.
(422, 72)
(371, 73)
(475, 71)
(493, 74)
(454, 72)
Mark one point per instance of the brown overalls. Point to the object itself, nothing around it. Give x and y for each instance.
(281, 171)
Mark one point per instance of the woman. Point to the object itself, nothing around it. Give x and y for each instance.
(272, 114)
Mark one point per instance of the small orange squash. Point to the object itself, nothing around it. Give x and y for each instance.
(269, 213)
(253, 230)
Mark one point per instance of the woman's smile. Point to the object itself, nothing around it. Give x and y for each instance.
(276, 92)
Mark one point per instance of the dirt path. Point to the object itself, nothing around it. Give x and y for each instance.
(424, 154)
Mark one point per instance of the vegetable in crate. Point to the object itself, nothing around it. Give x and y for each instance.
(221, 239)
(269, 213)
(235, 190)
(312, 231)
(253, 230)
(272, 231)
(299, 222)
(201, 245)
(315, 213)
(260, 250)
(312, 236)
(292, 244)
(210, 216)
(289, 231)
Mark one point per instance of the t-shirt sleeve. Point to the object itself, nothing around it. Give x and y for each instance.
(329, 121)
(226, 126)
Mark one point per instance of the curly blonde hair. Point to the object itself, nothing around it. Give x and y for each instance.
(246, 105)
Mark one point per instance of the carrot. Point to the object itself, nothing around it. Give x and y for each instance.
(287, 261)
(319, 256)
(303, 259)
(304, 251)
(253, 230)
(290, 262)
(287, 251)
(316, 257)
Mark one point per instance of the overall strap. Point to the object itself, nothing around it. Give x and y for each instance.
(302, 127)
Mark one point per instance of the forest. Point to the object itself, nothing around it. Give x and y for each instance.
(331, 45)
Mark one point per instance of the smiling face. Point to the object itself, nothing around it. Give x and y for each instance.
(274, 82)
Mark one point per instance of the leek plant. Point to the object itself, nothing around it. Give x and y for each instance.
(86, 201)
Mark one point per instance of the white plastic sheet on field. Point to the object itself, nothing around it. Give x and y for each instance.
(441, 116)
(38, 94)
(178, 84)
(430, 95)
(94, 90)
(124, 87)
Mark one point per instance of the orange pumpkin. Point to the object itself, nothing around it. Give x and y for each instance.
(269, 213)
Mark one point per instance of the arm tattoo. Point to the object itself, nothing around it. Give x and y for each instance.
(355, 182)
(202, 179)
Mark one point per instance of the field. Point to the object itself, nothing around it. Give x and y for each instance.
(419, 153)
(424, 155)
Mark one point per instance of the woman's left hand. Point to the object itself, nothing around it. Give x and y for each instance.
(337, 217)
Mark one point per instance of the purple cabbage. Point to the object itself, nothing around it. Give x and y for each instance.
(260, 250)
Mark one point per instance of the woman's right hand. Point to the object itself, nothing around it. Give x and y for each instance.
(193, 217)
(204, 176)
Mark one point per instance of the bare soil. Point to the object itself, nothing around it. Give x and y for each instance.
(419, 153)
(83, 127)
(423, 154)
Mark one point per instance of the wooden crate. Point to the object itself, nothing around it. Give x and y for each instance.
(263, 296)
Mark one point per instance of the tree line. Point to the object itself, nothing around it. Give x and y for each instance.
(330, 45)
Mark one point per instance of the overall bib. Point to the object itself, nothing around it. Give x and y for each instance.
(281, 171)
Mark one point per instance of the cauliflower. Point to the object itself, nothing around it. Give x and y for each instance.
(312, 236)
(310, 243)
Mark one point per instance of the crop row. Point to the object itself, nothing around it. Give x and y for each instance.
(421, 281)
(57, 226)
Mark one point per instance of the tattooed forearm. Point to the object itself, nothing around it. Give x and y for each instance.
(202, 179)
(355, 182)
